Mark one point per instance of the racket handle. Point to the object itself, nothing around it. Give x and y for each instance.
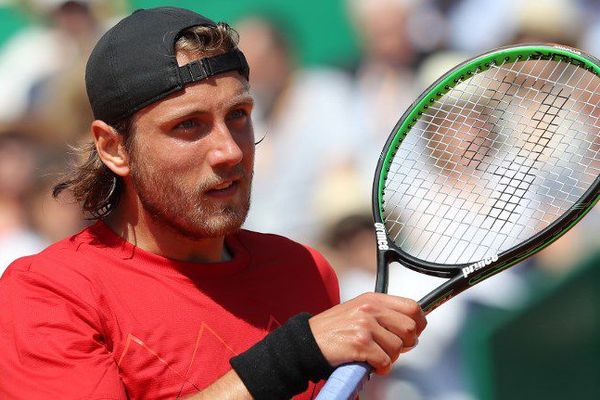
(345, 382)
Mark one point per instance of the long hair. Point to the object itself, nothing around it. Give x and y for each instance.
(93, 184)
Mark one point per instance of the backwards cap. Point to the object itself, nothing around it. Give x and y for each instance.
(134, 65)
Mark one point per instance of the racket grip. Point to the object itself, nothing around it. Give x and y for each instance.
(345, 382)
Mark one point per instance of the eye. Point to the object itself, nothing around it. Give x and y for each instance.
(237, 114)
(186, 125)
(190, 128)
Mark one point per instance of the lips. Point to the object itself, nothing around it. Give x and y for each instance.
(224, 189)
(223, 185)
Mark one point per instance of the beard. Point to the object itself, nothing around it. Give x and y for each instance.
(184, 208)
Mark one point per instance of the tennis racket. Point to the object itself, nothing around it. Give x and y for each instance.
(493, 162)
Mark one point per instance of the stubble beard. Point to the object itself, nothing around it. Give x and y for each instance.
(185, 210)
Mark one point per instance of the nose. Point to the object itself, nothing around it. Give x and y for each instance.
(225, 151)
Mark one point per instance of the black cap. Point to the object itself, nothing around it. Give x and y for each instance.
(134, 65)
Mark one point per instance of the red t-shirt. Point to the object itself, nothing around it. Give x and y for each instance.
(94, 317)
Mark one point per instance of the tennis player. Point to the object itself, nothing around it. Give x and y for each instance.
(165, 296)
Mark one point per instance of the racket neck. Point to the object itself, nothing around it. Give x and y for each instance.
(383, 261)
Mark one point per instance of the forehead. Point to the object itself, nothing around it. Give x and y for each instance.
(185, 57)
(214, 94)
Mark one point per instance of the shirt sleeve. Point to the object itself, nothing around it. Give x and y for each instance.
(328, 275)
(51, 342)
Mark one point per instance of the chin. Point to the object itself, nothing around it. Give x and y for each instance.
(214, 224)
(204, 218)
(221, 226)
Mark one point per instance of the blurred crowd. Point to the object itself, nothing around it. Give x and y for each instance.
(320, 131)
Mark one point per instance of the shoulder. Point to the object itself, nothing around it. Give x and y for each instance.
(42, 260)
(68, 275)
(271, 245)
(65, 265)
(267, 240)
(300, 260)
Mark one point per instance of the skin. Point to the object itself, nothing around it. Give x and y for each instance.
(185, 149)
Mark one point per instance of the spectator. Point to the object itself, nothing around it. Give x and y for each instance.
(19, 159)
(384, 84)
(301, 121)
(71, 32)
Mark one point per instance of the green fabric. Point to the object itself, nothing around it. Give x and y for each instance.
(547, 349)
(11, 20)
(320, 29)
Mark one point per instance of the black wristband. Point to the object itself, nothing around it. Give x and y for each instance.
(280, 365)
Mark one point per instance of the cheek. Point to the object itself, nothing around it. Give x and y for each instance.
(248, 147)
(167, 158)
(247, 163)
(168, 170)
(172, 156)
(248, 151)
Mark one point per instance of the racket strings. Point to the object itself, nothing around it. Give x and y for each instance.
(521, 157)
(489, 156)
(539, 122)
(450, 208)
(522, 169)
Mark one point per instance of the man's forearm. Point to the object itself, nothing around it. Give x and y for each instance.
(279, 366)
(374, 328)
(227, 387)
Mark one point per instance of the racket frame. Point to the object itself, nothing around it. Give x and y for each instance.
(458, 282)
(347, 380)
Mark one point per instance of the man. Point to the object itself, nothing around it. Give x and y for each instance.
(165, 296)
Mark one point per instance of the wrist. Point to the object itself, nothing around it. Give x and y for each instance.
(282, 364)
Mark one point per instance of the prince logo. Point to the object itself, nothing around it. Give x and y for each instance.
(478, 265)
(382, 243)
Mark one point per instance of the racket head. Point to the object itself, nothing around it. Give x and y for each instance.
(537, 94)
(347, 380)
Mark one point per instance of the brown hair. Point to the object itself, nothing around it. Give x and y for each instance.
(91, 182)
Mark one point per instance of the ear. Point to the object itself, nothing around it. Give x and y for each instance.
(110, 147)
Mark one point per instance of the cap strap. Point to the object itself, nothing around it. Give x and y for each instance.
(203, 68)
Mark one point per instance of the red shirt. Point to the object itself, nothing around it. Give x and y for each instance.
(94, 317)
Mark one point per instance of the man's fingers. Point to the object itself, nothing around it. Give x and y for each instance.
(389, 342)
(374, 302)
(371, 336)
(377, 358)
(400, 325)
(375, 328)
(406, 349)
(384, 307)
(409, 308)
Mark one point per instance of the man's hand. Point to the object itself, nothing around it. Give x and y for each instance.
(374, 328)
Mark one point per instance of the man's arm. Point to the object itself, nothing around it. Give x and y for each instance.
(227, 387)
(50, 345)
(374, 328)
(53, 320)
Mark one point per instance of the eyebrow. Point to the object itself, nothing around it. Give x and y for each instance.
(244, 98)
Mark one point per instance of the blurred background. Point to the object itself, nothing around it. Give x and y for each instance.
(330, 79)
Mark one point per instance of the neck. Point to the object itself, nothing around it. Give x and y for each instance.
(138, 227)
